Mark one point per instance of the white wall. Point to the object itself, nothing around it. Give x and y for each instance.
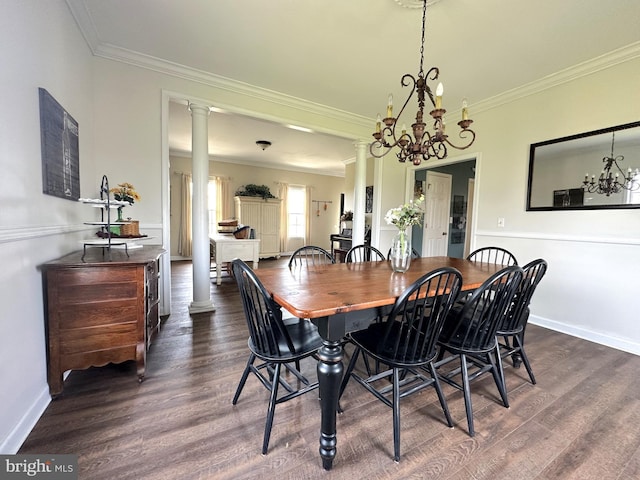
(39, 47)
(594, 255)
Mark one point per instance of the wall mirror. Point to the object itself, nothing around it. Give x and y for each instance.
(558, 169)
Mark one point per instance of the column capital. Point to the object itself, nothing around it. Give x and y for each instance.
(200, 108)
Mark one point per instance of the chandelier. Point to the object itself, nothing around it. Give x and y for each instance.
(611, 182)
(424, 144)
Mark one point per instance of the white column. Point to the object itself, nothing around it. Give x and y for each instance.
(200, 213)
(359, 192)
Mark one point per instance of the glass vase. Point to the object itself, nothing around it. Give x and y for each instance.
(400, 256)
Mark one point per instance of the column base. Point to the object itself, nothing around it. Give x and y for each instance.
(201, 307)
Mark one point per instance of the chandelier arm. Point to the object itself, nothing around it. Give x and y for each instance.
(615, 161)
(414, 88)
(388, 136)
(432, 75)
(463, 135)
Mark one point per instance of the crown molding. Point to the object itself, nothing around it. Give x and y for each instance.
(136, 59)
(610, 59)
(262, 164)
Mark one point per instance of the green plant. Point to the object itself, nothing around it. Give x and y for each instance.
(251, 190)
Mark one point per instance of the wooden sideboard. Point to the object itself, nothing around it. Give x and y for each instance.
(100, 311)
(226, 248)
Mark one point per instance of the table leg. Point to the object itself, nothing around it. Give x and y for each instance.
(218, 272)
(329, 377)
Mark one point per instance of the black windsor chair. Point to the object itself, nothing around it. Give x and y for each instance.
(469, 334)
(494, 255)
(511, 330)
(406, 340)
(274, 342)
(310, 255)
(363, 253)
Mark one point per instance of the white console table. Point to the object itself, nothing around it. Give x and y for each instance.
(227, 248)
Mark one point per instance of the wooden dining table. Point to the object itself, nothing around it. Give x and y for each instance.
(346, 297)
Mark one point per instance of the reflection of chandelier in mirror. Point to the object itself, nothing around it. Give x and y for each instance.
(612, 182)
(423, 145)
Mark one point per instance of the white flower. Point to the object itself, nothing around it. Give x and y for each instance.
(406, 215)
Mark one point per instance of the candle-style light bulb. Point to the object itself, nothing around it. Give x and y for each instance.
(465, 111)
(404, 129)
(439, 92)
(378, 124)
(390, 107)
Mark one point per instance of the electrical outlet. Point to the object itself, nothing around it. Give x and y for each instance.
(501, 222)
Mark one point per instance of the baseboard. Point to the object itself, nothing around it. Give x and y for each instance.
(586, 334)
(16, 438)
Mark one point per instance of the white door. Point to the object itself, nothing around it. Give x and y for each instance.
(437, 200)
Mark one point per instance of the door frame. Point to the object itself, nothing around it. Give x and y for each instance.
(410, 177)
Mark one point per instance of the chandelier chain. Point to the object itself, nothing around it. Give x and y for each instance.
(424, 22)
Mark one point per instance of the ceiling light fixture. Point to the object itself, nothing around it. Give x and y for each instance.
(424, 144)
(299, 128)
(263, 144)
(609, 182)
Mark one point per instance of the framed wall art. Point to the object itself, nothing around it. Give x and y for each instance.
(368, 204)
(59, 147)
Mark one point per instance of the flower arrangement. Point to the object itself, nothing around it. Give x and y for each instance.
(406, 215)
(125, 192)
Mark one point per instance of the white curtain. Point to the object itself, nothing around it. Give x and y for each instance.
(283, 194)
(224, 206)
(184, 238)
(307, 215)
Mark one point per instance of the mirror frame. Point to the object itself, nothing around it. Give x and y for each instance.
(532, 153)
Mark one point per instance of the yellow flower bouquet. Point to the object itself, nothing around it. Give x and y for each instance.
(125, 192)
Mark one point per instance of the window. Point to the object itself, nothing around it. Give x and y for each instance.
(296, 211)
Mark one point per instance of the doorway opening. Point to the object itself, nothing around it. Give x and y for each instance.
(456, 230)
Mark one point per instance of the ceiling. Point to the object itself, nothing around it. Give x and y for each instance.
(349, 55)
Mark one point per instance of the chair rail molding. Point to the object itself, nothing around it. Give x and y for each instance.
(559, 237)
(28, 232)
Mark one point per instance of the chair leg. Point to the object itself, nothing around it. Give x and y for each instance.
(519, 341)
(396, 415)
(443, 400)
(272, 408)
(466, 389)
(347, 375)
(498, 377)
(501, 367)
(243, 379)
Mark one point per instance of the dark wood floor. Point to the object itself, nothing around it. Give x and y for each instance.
(581, 421)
